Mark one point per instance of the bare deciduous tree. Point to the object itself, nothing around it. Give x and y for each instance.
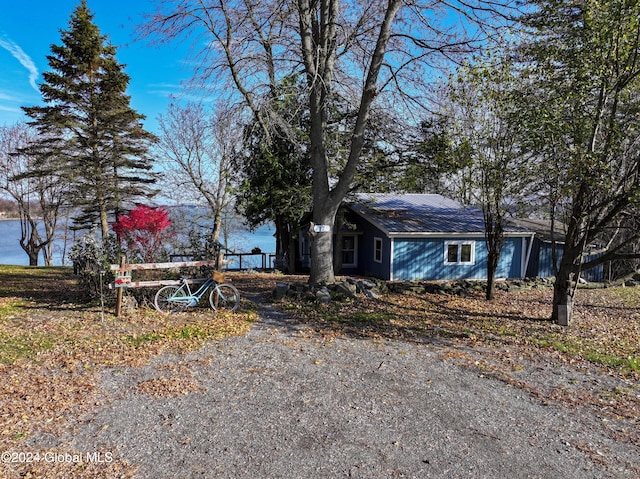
(198, 148)
(38, 192)
(360, 51)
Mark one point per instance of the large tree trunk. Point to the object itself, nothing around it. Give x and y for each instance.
(322, 245)
(280, 248)
(104, 222)
(324, 209)
(30, 240)
(215, 238)
(284, 245)
(494, 241)
(291, 251)
(318, 40)
(50, 228)
(575, 241)
(32, 249)
(33, 257)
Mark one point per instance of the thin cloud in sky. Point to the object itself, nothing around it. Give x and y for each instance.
(10, 109)
(24, 59)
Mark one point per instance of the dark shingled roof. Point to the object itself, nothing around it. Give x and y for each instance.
(419, 213)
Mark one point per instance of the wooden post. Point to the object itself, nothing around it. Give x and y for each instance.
(123, 262)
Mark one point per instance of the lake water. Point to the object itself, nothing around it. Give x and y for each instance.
(242, 241)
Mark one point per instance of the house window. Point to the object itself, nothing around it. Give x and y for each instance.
(349, 251)
(459, 252)
(377, 250)
(304, 251)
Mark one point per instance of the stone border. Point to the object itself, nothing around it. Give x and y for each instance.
(372, 288)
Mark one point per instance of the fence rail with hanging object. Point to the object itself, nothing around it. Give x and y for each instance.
(124, 269)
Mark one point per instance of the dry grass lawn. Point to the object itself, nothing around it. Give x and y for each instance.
(53, 347)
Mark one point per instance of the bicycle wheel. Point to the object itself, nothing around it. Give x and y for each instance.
(171, 299)
(224, 297)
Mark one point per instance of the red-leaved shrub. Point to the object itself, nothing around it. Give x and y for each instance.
(143, 230)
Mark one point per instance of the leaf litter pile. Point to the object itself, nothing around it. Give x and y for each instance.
(53, 348)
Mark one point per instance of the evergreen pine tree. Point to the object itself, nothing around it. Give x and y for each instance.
(101, 146)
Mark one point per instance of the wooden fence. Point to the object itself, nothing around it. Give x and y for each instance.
(124, 269)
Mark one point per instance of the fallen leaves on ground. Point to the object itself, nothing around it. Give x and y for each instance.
(605, 329)
(171, 386)
(53, 348)
(511, 337)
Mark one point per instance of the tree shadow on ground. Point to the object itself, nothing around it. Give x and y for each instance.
(440, 324)
(55, 285)
(419, 318)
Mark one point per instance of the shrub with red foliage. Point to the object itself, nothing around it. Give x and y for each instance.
(143, 230)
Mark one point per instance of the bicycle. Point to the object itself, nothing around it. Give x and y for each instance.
(174, 299)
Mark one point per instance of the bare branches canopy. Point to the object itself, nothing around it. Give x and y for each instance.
(362, 51)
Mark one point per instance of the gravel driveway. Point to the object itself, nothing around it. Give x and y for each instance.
(283, 403)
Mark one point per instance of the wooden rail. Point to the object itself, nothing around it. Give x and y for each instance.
(177, 264)
(163, 282)
(124, 269)
(123, 275)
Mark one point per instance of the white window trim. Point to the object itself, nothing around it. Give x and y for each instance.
(459, 243)
(377, 246)
(355, 252)
(391, 262)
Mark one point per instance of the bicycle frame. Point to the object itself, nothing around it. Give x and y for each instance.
(177, 298)
(192, 297)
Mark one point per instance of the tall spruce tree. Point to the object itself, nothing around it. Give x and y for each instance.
(89, 125)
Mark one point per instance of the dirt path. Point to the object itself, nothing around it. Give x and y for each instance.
(281, 402)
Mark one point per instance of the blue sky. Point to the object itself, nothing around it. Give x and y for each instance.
(29, 27)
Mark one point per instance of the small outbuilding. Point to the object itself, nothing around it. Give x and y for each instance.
(540, 262)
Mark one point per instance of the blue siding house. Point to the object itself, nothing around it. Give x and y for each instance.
(421, 237)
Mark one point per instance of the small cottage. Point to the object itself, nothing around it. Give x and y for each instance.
(419, 237)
